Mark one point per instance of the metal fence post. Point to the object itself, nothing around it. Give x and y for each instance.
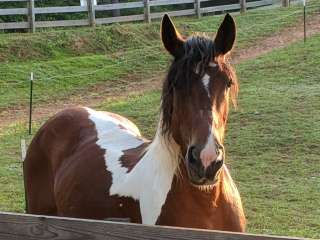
(197, 8)
(91, 13)
(147, 16)
(31, 16)
(243, 6)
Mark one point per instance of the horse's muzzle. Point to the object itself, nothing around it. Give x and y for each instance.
(198, 174)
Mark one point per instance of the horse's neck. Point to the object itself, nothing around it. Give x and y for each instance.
(151, 179)
(219, 208)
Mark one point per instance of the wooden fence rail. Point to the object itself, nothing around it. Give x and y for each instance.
(31, 11)
(26, 227)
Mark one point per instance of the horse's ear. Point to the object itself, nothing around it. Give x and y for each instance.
(226, 36)
(171, 38)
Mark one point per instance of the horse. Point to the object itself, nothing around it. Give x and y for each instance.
(92, 164)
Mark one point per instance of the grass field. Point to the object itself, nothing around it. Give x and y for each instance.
(272, 141)
(273, 137)
(66, 61)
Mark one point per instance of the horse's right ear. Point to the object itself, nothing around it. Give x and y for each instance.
(226, 36)
(171, 38)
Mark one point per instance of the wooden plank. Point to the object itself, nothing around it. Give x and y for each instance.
(243, 6)
(169, 2)
(259, 3)
(13, 11)
(13, 1)
(285, 3)
(107, 7)
(174, 13)
(69, 9)
(33, 227)
(197, 8)
(147, 16)
(31, 16)
(220, 8)
(91, 12)
(120, 19)
(14, 25)
(62, 23)
(23, 150)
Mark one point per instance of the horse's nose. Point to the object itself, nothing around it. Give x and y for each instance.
(213, 151)
(197, 171)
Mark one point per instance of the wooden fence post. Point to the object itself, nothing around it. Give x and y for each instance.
(147, 16)
(115, 12)
(197, 7)
(91, 13)
(243, 6)
(285, 3)
(31, 16)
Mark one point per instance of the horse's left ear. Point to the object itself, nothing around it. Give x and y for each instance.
(171, 38)
(226, 36)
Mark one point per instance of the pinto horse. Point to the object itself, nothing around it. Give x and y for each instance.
(92, 164)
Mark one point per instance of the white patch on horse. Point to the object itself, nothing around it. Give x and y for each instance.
(209, 152)
(150, 180)
(206, 82)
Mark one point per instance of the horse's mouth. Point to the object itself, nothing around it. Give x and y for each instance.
(207, 186)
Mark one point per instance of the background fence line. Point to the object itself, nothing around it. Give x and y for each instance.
(91, 9)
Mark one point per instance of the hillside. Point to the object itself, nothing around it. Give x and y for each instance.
(66, 62)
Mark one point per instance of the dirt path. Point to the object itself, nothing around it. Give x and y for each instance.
(109, 90)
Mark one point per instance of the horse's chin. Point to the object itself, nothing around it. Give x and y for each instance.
(208, 187)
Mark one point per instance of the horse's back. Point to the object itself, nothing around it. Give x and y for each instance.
(66, 168)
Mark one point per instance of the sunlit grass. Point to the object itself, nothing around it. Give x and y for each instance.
(69, 61)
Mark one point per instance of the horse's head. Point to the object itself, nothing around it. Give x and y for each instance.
(195, 97)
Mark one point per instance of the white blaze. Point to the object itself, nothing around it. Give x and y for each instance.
(208, 153)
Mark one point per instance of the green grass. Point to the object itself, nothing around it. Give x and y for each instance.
(65, 62)
(272, 141)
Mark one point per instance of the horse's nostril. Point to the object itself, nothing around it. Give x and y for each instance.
(194, 153)
(191, 155)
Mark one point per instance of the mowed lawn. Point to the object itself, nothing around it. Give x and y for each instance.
(66, 62)
(272, 142)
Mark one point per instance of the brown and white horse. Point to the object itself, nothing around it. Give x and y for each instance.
(89, 164)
